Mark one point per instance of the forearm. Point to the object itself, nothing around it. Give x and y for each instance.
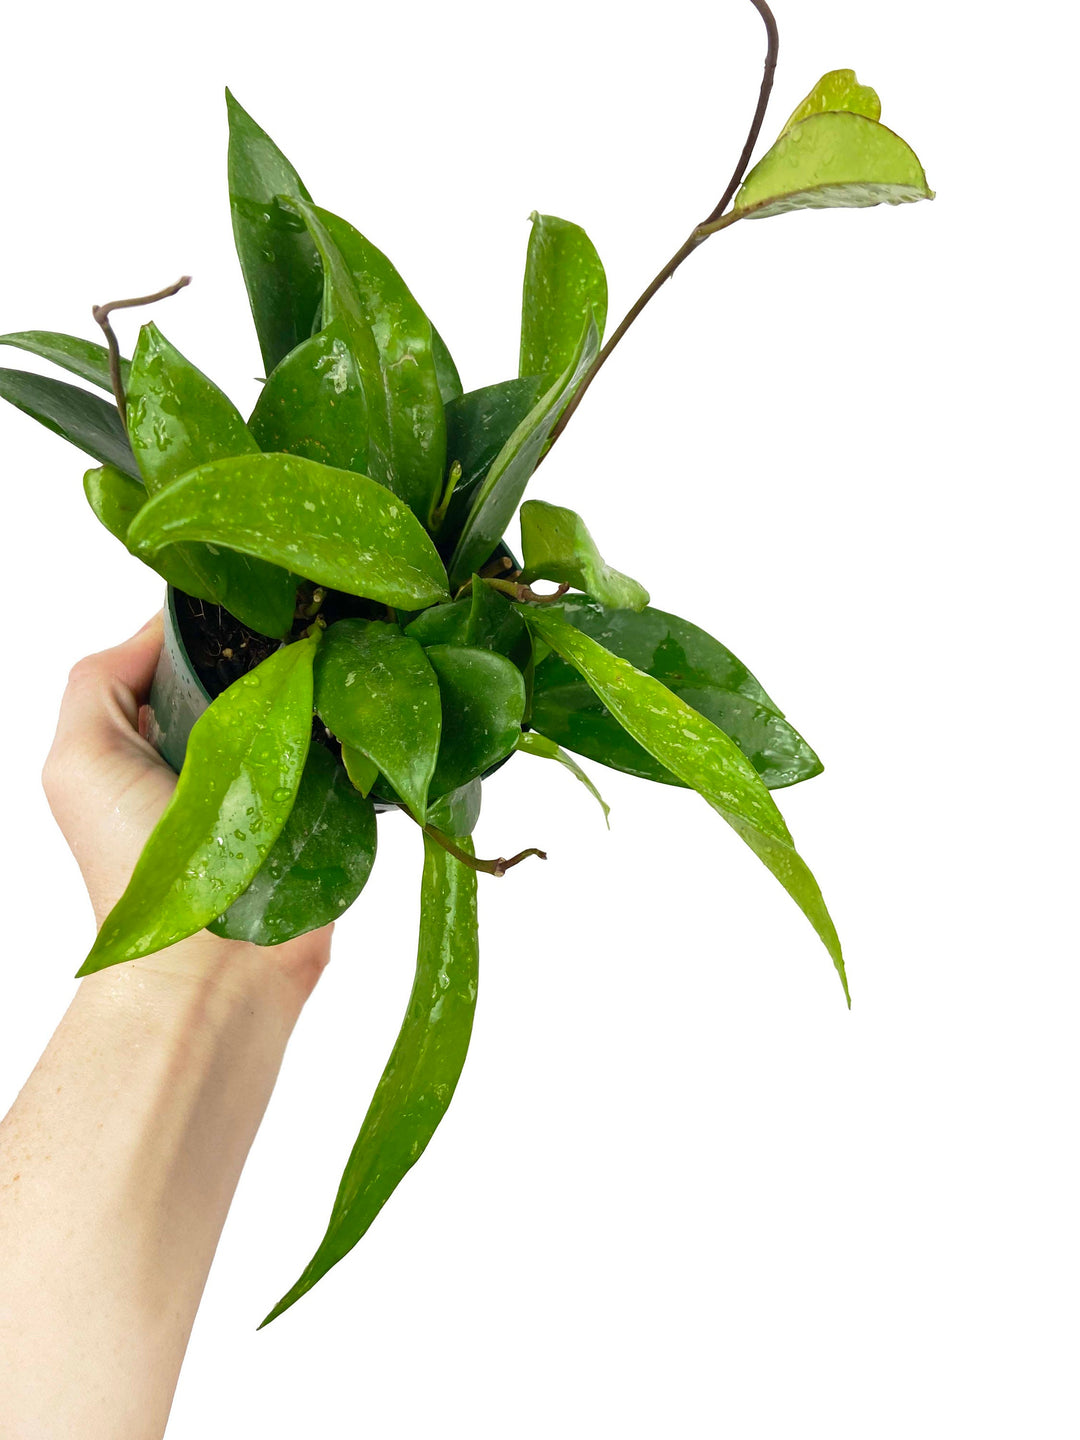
(118, 1163)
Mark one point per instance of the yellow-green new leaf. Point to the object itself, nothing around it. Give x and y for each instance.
(833, 159)
(556, 545)
(838, 90)
(534, 744)
(702, 757)
(244, 760)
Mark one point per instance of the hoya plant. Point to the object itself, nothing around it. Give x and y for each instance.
(350, 630)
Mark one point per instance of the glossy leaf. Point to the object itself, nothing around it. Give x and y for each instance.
(422, 1072)
(116, 499)
(702, 757)
(483, 700)
(315, 404)
(445, 369)
(556, 545)
(478, 425)
(408, 423)
(564, 286)
(281, 268)
(86, 420)
(360, 768)
(457, 812)
(318, 865)
(533, 743)
(241, 772)
(178, 419)
(690, 663)
(375, 691)
(494, 624)
(838, 90)
(442, 625)
(833, 159)
(81, 357)
(497, 497)
(331, 526)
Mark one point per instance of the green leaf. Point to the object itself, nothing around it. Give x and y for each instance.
(87, 421)
(245, 756)
(178, 419)
(533, 743)
(422, 1072)
(81, 357)
(336, 528)
(483, 700)
(497, 498)
(478, 425)
(838, 90)
(442, 625)
(556, 545)
(116, 499)
(833, 159)
(375, 691)
(318, 865)
(693, 666)
(281, 268)
(408, 423)
(494, 624)
(564, 285)
(314, 404)
(457, 812)
(360, 768)
(703, 758)
(445, 369)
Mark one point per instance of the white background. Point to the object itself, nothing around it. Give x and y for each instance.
(681, 1190)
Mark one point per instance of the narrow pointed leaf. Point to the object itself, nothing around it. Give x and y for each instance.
(483, 700)
(497, 497)
(703, 757)
(478, 425)
(116, 499)
(318, 864)
(363, 284)
(314, 404)
(422, 1072)
(280, 265)
(564, 284)
(178, 419)
(556, 545)
(838, 90)
(833, 159)
(533, 743)
(81, 357)
(331, 526)
(445, 369)
(241, 772)
(693, 666)
(360, 768)
(376, 691)
(87, 421)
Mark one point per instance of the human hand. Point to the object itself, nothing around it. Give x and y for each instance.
(107, 786)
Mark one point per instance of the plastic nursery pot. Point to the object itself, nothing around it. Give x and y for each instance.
(177, 697)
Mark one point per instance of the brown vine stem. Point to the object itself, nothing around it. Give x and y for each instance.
(101, 315)
(714, 222)
(485, 867)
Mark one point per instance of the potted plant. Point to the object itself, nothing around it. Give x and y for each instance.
(348, 630)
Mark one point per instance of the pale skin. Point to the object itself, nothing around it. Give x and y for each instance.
(120, 1156)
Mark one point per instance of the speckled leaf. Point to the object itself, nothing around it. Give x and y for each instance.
(690, 663)
(457, 812)
(333, 527)
(478, 425)
(116, 499)
(375, 690)
(281, 268)
(315, 405)
(833, 159)
(87, 421)
(497, 497)
(80, 357)
(556, 545)
(532, 743)
(178, 419)
(483, 700)
(838, 90)
(244, 759)
(318, 865)
(408, 424)
(703, 757)
(564, 284)
(422, 1072)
